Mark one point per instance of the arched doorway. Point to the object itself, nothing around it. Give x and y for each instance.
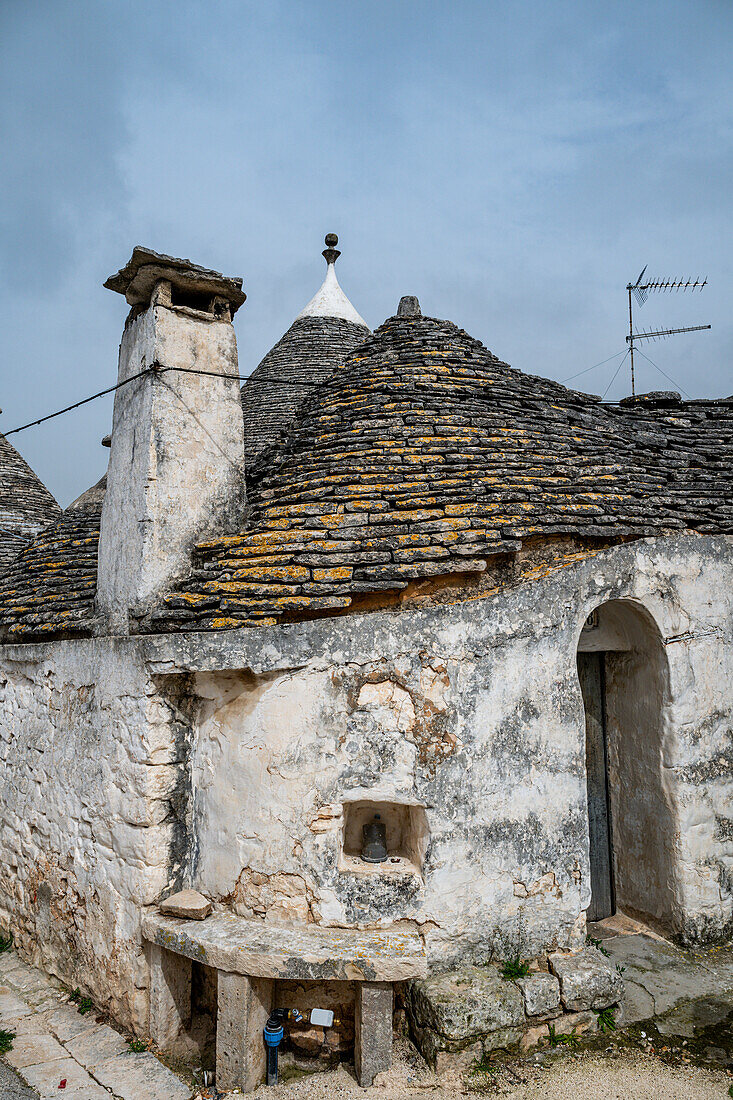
(622, 668)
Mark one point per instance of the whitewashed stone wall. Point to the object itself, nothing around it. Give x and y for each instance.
(474, 713)
(88, 762)
(227, 761)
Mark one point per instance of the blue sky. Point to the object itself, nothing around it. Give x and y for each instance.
(512, 164)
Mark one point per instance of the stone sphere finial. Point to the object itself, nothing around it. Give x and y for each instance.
(331, 252)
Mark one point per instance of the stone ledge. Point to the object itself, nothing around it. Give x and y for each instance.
(290, 952)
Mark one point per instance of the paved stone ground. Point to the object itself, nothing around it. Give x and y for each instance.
(54, 1042)
(661, 977)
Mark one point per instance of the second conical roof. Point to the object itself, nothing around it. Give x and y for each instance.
(323, 334)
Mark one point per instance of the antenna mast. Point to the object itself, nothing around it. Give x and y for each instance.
(641, 291)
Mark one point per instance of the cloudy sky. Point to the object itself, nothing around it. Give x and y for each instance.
(512, 164)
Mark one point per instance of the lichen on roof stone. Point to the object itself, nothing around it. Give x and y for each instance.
(48, 590)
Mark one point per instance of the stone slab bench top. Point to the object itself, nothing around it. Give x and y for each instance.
(290, 952)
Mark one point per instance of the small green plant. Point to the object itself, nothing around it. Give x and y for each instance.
(620, 969)
(598, 944)
(6, 942)
(606, 1020)
(6, 1040)
(514, 968)
(138, 1046)
(484, 1070)
(566, 1040)
(730, 1090)
(83, 1004)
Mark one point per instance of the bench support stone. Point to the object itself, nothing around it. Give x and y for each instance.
(373, 1041)
(243, 1007)
(170, 995)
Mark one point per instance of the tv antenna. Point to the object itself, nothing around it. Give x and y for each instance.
(641, 292)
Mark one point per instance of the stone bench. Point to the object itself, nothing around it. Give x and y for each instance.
(249, 957)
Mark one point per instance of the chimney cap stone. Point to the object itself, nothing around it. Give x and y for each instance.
(145, 268)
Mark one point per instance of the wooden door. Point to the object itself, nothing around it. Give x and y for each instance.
(591, 675)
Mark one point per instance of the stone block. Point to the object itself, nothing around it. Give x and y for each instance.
(587, 980)
(186, 903)
(32, 1050)
(466, 1003)
(66, 1022)
(96, 1045)
(448, 1061)
(25, 1025)
(504, 1038)
(134, 1076)
(541, 994)
(305, 953)
(170, 995)
(47, 1076)
(575, 1023)
(373, 1030)
(243, 1007)
(10, 1005)
(533, 1036)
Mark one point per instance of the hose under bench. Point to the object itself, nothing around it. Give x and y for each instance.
(250, 956)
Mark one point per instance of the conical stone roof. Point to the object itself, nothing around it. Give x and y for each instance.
(321, 337)
(25, 503)
(424, 455)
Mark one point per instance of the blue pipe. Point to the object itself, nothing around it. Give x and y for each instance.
(273, 1037)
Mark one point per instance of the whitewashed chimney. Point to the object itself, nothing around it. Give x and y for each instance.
(176, 468)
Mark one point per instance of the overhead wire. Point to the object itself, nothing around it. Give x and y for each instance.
(154, 369)
(158, 368)
(588, 369)
(77, 404)
(618, 368)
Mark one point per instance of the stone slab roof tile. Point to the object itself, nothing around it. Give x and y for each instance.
(48, 590)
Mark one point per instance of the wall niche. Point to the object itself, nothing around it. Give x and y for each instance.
(407, 837)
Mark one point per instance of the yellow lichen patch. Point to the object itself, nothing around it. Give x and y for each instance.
(272, 573)
(335, 573)
(193, 599)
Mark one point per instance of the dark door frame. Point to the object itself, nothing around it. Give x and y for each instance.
(592, 676)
